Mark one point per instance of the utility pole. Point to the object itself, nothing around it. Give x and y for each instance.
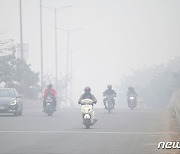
(67, 66)
(56, 74)
(21, 30)
(41, 43)
(55, 27)
(69, 70)
(71, 83)
(67, 63)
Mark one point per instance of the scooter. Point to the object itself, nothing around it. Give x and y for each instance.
(132, 102)
(109, 103)
(49, 106)
(88, 115)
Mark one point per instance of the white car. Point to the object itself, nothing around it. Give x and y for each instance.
(10, 101)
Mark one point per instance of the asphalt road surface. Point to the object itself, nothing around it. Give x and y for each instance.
(121, 132)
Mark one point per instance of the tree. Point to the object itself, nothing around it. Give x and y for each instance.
(7, 47)
(15, 72)
(154, 84)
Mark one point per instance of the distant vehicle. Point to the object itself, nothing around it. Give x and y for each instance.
(132, 101)
(87, 112)
(49, 109)
(10, 101)
(109, 103)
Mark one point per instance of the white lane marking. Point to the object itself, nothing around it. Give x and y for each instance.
(83, 132)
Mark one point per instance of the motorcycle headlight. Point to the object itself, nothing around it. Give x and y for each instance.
(86, 110)
(48, 100)
(131, 98)
(13, 103)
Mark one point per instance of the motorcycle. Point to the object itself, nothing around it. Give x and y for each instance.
(132, 101)
(109, 103)
(49, 106)
(88, 115)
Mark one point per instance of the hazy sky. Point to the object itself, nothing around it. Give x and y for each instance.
(116, 36)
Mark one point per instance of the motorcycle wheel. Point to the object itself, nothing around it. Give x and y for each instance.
(109, 108)
(15, 113)
(87, 123)
(49, 110)
(50, 113)
(20, 112)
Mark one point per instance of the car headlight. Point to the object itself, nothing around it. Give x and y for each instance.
(13, 103)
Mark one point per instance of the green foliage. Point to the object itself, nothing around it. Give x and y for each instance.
(25, 75)
(155, 84)
(7, 70)
(7, 47)
(17, 73)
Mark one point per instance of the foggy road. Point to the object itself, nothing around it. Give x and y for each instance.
(124, 131)
(69, 51)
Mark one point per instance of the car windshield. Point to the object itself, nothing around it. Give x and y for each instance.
(7, 93)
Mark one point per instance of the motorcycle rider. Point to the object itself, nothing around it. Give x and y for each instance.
(111, 92)
(87, 95)
(130, 92)
(49, 91)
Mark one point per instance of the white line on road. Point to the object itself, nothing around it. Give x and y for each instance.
(84, 132)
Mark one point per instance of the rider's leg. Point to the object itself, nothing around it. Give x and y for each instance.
(104, 100)
(136, 101)
(113, 103)
(128, 100)
(54, 104)
(44, 104)
(94, 120)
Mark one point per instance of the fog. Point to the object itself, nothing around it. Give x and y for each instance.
(124, 43)
(116, 37)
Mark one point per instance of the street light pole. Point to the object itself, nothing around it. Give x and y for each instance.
(67, 63)
(21, 31)
(67, 66)
(55, 26)
(56, 75)
(71, 83)
(41, 43)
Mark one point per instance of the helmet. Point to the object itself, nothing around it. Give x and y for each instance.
(109, 86)
(49, 85)
(87, 90)
(131, 88)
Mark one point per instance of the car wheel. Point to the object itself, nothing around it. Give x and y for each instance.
(20, 112)
(16, 113)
